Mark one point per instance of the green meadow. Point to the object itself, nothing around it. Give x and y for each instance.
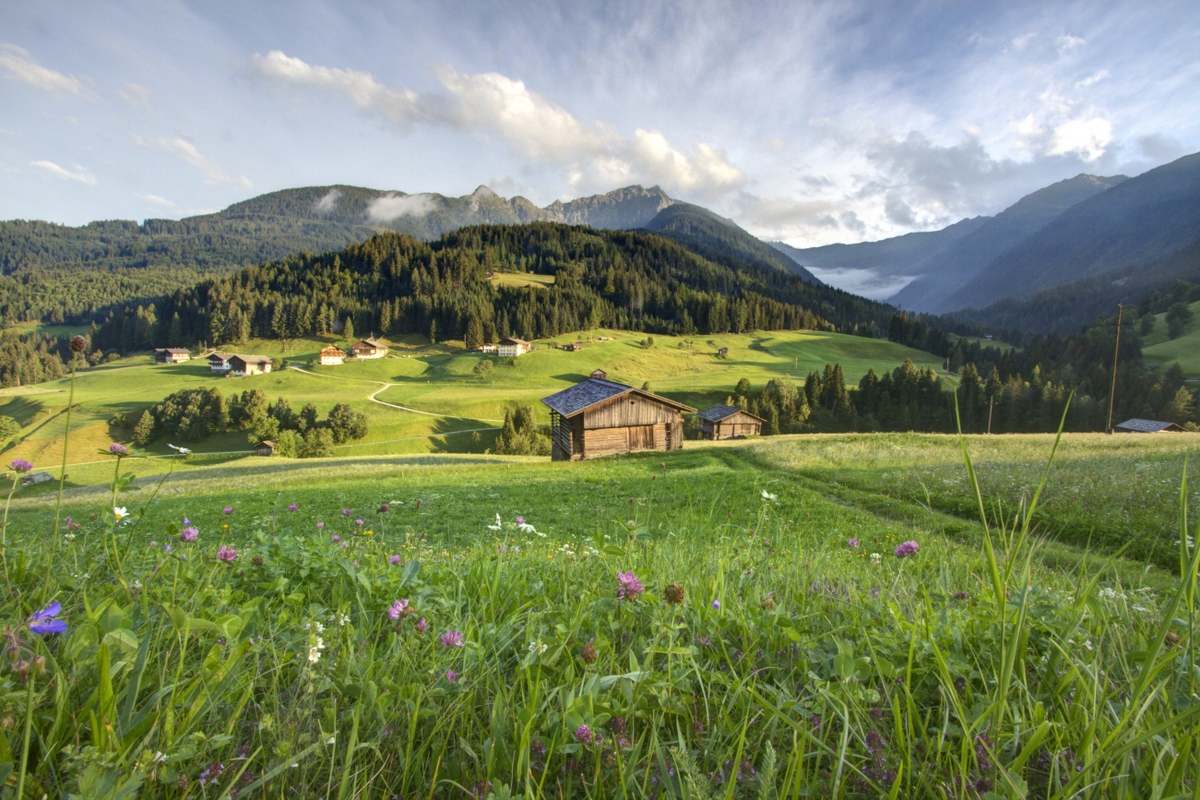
(1185, 348)
(426, 397)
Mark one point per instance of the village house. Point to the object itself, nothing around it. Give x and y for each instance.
(332, 356)
(171, 355)
(266, 448)
(600, 417)
(243, 366)
(512, 348)
(369, 348)
(219, 362)
(1147, 426)
(727, 422)
(485, 348)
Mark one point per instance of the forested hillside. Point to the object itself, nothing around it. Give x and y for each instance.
(396, 284)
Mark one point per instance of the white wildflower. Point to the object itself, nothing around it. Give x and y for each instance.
(343, 620)
(137, 584)
(497, 526)
(314, 655)
(70, 537)
(876, 558)
(768, 496)
(120, 513)
(538, 647)
(160, 757)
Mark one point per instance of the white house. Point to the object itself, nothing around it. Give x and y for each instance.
(332, 356)
(219, 362)
(369, 348)
(512, 348)
(249, 365)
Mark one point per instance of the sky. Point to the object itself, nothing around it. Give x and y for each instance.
(806, 122)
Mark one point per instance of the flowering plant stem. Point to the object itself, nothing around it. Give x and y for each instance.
(4, 531)
(28, 733)
(62, 474)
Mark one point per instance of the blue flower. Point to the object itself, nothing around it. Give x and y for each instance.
(43, 622)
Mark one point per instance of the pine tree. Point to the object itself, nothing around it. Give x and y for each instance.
(348, 330)
(143, 432)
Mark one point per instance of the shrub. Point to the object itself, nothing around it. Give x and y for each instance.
(190, 414)
(520, 435)
(346, 424)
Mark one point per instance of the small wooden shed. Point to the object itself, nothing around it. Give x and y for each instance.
(1147, 426)
(266, 447)
(600, 417)
(727, 422)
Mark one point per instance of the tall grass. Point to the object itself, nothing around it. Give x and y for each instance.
(793, 664)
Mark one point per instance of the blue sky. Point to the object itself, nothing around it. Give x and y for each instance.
(809, 122)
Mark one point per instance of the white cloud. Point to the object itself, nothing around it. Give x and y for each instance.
(155, 200)
(135, 94)
(590, 155)
(393, 206)
(1067, 43)
(1093, 79)
(80, 174)
(328, 202)
(1086, 138)
(22, 67)
(186, 152)
(1021, 42)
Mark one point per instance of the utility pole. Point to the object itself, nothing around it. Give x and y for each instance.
(991, 406)
(1116, 352)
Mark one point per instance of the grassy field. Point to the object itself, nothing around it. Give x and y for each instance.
(519, 279)
(1185, 349)
(732, 620)
(429, 398)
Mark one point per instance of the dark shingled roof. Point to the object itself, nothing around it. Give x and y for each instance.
(1147, 426)
(718, 413)
(595, 390)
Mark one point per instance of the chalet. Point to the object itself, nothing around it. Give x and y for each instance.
(266, 448)
(572, 347)
(242, 366)
(332, 356)
(1147, 426)
(219, 362)
(171, 355)
(485, 348)
(602, 418)
(512, 348)
(369, 348)
(727, 422)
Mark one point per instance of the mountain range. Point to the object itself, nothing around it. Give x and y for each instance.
(1050, 262)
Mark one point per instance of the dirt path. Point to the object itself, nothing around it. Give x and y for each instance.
(385, 386)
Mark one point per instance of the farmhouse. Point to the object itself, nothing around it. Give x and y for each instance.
(171, 355)
(332, 356)
(1147, 426)
(369, 348)
(219, 362)
(600, 417)
(727, 422)
(512, 348)
(241, 366)
(485, 348)
(723, 352)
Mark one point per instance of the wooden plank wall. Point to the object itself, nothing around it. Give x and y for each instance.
(626, 410)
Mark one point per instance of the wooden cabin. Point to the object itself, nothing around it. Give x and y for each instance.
(266, 447)
(512, 348)
(332, 356)
(171, 355)
(219, 362)
(572, 347)
(600, 417)
(722, 352)
(1147, 426)
(727, 422)
(369, 348)
(242, 366)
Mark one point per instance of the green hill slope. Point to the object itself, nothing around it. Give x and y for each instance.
(1184, 349)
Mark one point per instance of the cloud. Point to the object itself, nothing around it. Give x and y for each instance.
(155, 200)
(23, 68)
(80, 174)
(328, 202)
(899, 211)
(1086, 138)
(863, 282)
(590, 155)
(393, 206)
(1021, 42)
(135, 94)
(1093, 79)
(1067, 43)
(186, 152)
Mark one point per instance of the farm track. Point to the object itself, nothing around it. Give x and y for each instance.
(385, 386)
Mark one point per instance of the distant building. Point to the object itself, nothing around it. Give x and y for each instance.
(727, 422)
(722, 352)
(573, 347)
(219, 362)
(512, 348)
(485, 348)
(369, 348)
(1147, 426)
(34, 478)
(332, 356)
(171, 355)
(599, 417)
(243, 366)
(266, 447)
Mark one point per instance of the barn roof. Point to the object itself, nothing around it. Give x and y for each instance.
(722, 411)
(369, 343)
(584, 395)
(1147, 426)
(251, 359)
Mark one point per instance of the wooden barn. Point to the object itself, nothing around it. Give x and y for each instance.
(600, 417)
(1147, 426)
(727, 422)
(171, 355)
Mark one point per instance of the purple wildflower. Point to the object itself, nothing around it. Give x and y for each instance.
(70, 524)
(716, 604)
(905, 549)
(422, 625)
(226, 553)
(583, 734)
(853, 543)
(335, 538)
(187, 521)
(20, 465)
(502, 549)
(451, 638)
(451, 675)
(293, 507)
(394, 560)
(43, 622)
(189, 534)
(211, 773)
(520, 520)
(118, 449)
(345, 512)
(228, 509)
(383, 509)
(320, 525)
(628, 586)
(358, 522)
(396, 610)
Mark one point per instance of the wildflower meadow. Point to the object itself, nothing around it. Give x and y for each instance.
(694, 626)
